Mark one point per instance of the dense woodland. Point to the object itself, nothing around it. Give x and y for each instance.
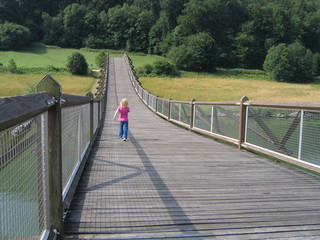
(197, 35)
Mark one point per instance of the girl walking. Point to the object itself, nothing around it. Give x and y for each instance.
(123, 111)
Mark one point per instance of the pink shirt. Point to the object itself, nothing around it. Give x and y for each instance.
(123, 113)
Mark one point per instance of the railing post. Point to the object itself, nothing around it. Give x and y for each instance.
(192, 113)
(156, 104)
(89, 94)
(50, 85)
(242, 122)
(169, 109)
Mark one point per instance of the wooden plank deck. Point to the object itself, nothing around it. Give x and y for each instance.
(166, 182)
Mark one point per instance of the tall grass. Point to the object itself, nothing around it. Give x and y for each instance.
(217, 88)
(18, 84)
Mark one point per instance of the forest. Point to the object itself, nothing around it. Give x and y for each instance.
(279, 36)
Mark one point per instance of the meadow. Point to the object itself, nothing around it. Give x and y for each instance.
(209, 87)
(224, 85)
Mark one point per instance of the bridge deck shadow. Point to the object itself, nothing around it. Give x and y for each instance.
(169, 183)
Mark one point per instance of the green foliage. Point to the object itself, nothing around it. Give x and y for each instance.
(316, 64)
(13, 36)
(12, 66)
(164, 68)
(157, 34)
(30, 88)
(77, 64)
(100, 58)
(198, 54)
(289, 63)
(159, 68)
(243, 30)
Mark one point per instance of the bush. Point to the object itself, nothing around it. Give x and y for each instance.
(160, 68)
(165, 68)
(292, 63)
(100, 58)
(77, 64)
(13, 36)
(12, 66)
(145, 70)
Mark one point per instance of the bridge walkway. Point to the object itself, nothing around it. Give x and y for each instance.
(166, 182)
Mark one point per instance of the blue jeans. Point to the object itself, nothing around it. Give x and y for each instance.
(123, 129)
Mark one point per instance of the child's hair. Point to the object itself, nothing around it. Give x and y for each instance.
(124, 102)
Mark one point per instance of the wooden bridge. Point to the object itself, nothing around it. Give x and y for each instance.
(166, 182)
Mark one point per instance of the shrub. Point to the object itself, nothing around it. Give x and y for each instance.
(100, 58)
(30, 88)
(165, 68)
(159, 68)
(145, 70)
(77, 64)
(12, 66)
(292, 63)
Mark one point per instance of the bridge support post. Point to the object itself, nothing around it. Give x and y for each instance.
(49, 84)
(242, 123)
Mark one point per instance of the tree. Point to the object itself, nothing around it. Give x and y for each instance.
(172, 9)
(316, 64)
(248, 52)
(77, 64)
(121, 25)
(157, 34)
(199, 53)
(53, 30)
(13, 36)
(74, 24)
(289, 63)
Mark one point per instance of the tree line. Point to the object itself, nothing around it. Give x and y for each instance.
(282, 37)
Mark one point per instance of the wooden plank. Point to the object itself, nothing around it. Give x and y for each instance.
(169, 183)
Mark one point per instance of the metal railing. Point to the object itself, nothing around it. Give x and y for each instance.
(286, 131)
(45, 139)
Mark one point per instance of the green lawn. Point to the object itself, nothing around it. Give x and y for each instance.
(38, 55)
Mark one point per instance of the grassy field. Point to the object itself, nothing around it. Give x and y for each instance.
(16, 84)
(214, 87)
(38, 55)
(224, 85)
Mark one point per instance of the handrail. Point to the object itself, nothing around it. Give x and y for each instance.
(45, 140)
(282, 130)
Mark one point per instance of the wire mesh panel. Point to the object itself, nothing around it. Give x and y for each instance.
(203, 118)
(222, 120)
(152, 102)
(310, 137)
(75, 139)
(140, 90)
(163, 107)
(95, 116)
(145, 96)
(181, 112)
(23, 163)
(274, 129)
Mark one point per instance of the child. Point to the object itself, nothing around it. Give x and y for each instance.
(123, 111)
